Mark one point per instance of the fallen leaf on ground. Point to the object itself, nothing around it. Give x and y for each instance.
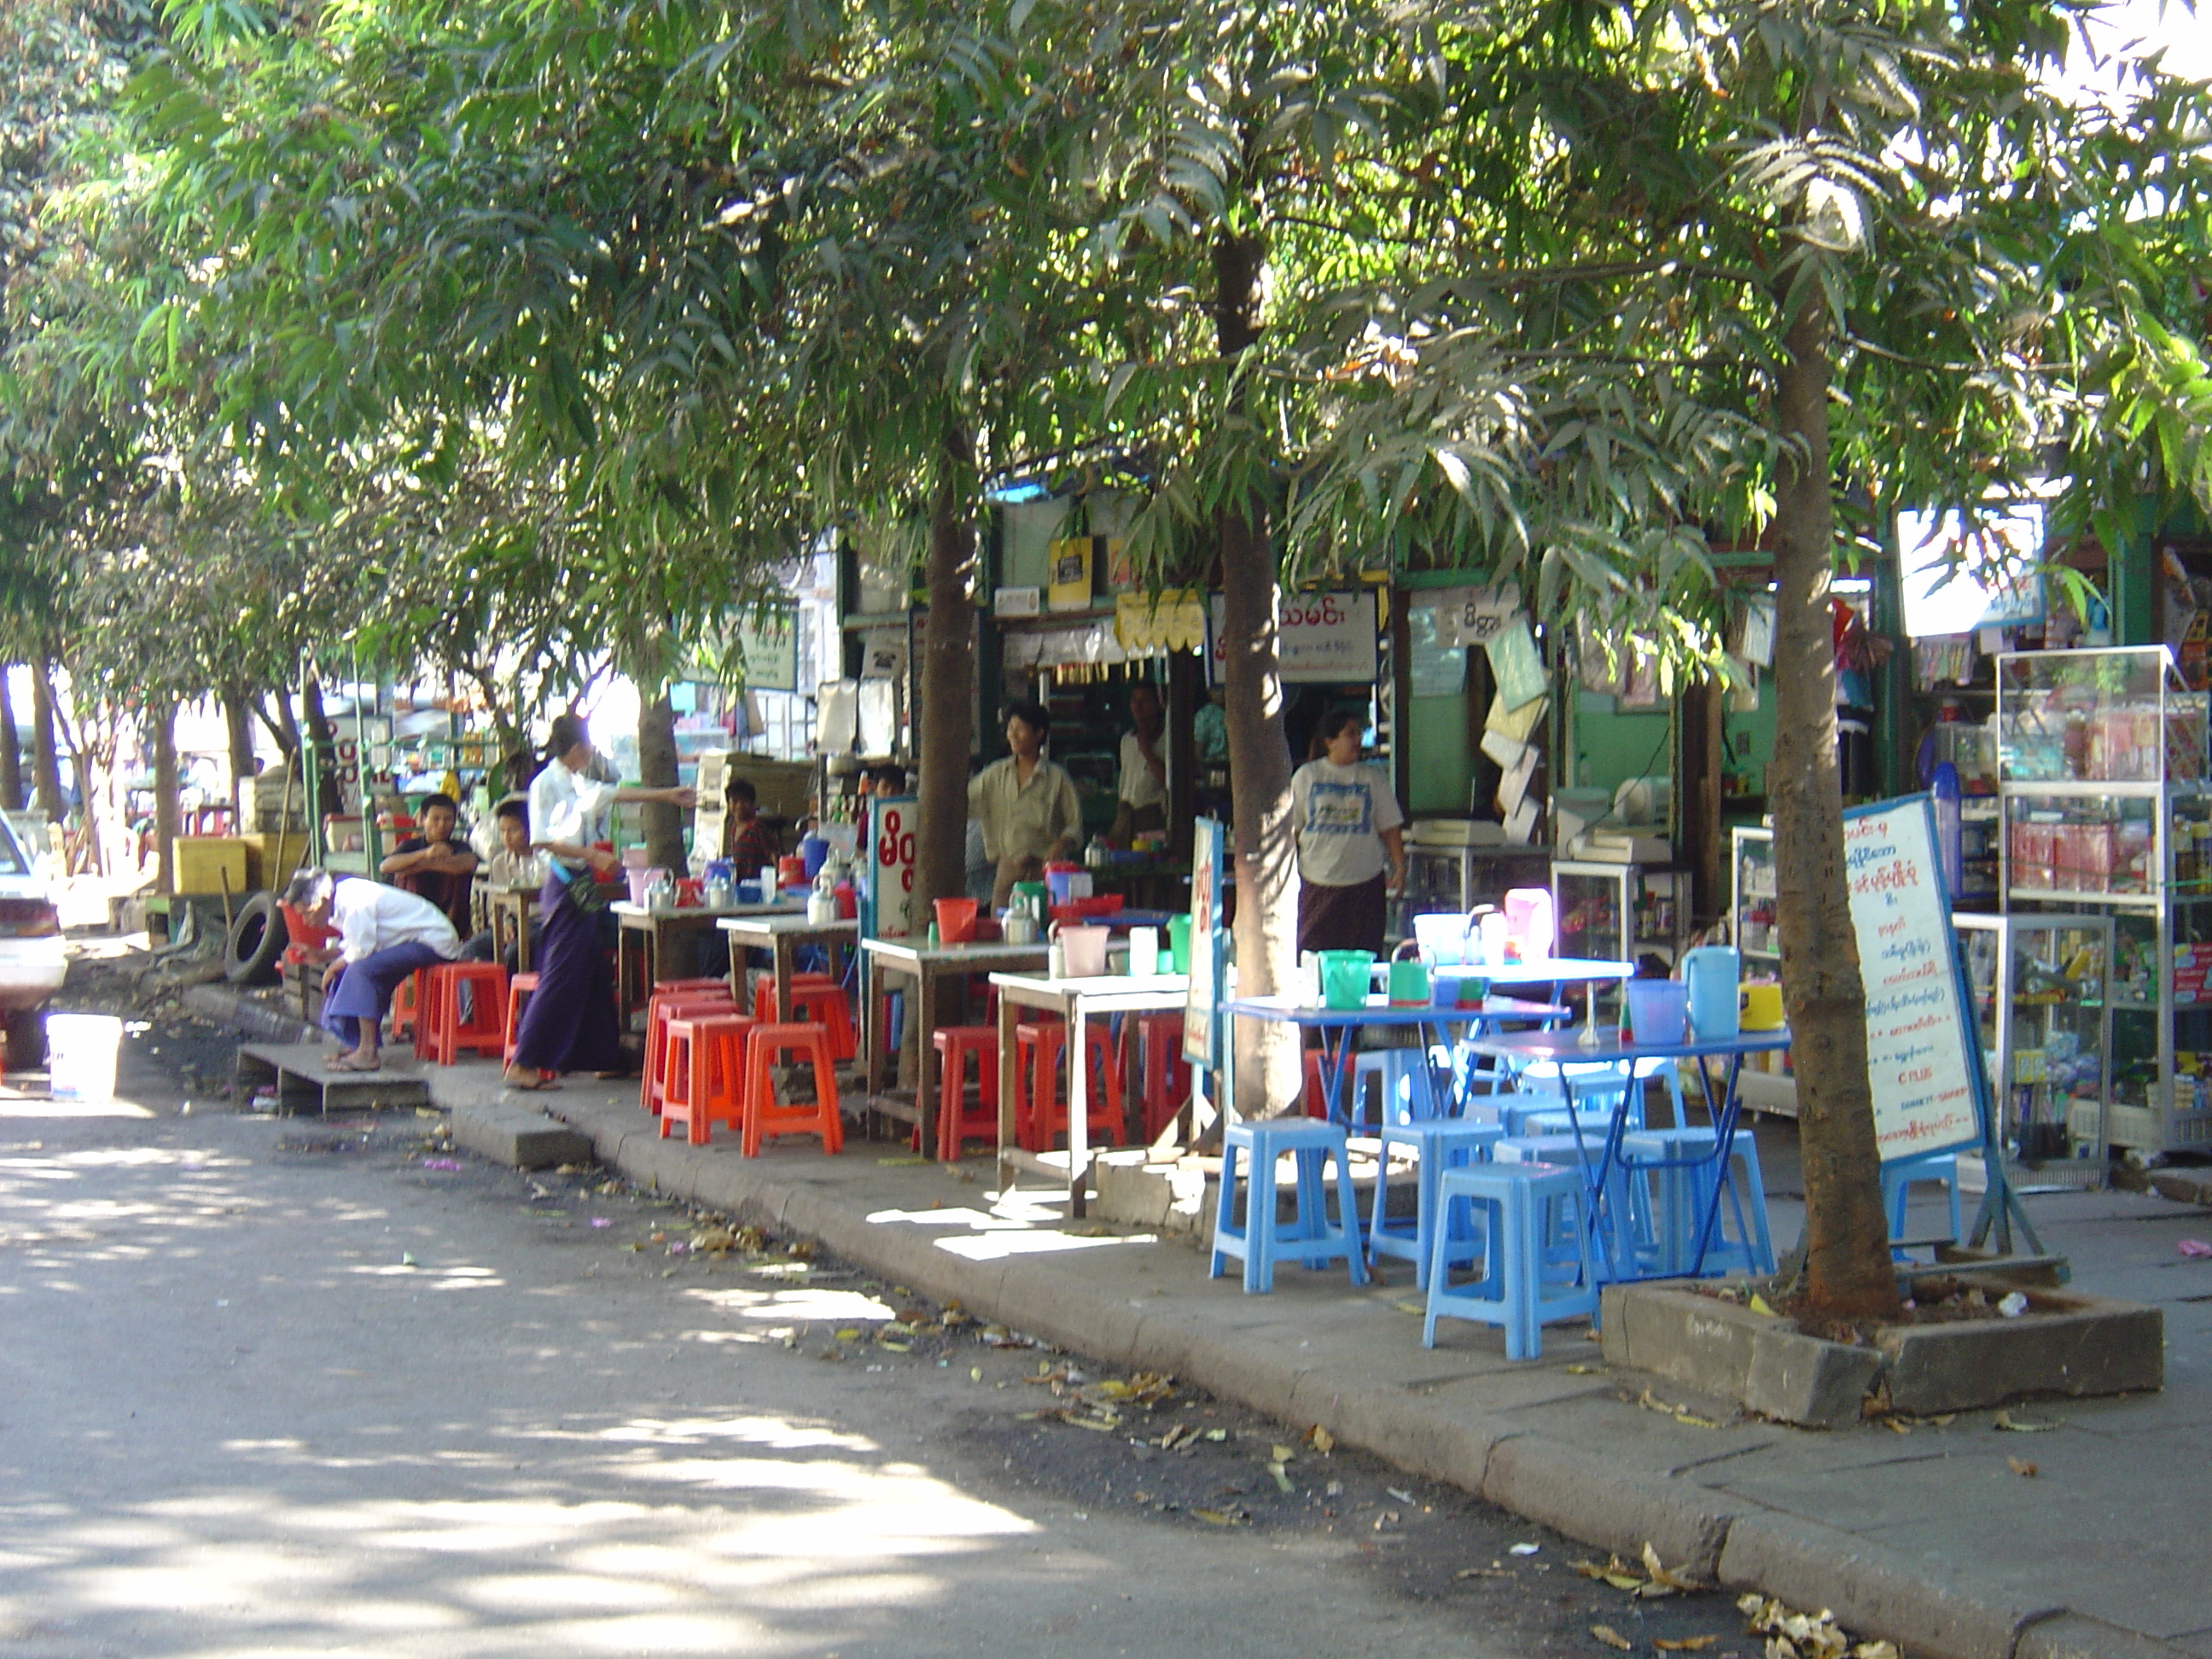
(1611, 1638)
(2020, 1465)
(848, 1334)
(2020, 1426)
(1759, 1304)
(1661, 1575)
(1216, 1518)
(1282, 1481)
(1685, 1643)
(1323, 1441)
(1481, 1572)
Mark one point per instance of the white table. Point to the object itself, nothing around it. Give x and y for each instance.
(782, 937)
(1076, 1000)
(928, 966)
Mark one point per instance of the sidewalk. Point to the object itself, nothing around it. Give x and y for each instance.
(1929, 1538)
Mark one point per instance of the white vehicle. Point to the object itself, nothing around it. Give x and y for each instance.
(33, 959)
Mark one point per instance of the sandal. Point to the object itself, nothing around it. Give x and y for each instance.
(346, 1063)
(533, 1085)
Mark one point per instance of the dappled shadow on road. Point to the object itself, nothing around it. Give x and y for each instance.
(318, 1445)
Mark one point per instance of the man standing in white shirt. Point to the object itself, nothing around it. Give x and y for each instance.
(1143, 785)
(385, 936)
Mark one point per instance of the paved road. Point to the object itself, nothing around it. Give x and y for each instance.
(279, 1388)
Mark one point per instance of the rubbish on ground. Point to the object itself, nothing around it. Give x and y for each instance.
(1611, 1638)
(2012, 1306)
(2021, 1467)
(2195, 1247)
(2019, 1426)
(442, 1163)
(1524, 1549)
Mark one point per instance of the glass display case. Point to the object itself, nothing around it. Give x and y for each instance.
(1619, 912)
(2106, 810)
(1756, 940)
(1445, 872)
(2040, 982)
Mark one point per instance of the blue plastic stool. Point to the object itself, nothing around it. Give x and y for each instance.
(1559, 1120)
(1405, 1092)
(1311, 1238)
(1624, 1197)
(1907, 1172)
(1679, 1199)
(1537, 1267)
(1441, 1144)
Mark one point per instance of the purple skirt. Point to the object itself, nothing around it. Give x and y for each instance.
(1343, 918)
(569, 1024)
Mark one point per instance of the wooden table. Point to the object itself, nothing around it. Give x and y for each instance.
(509, 909)
(655, 931)
(928, 967)
(1076, 1000)
(783, 937)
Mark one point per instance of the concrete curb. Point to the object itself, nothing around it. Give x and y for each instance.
(1872, 1591)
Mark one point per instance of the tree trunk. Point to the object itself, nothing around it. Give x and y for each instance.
(323, 737)
(282, 725)
(45, 770)
(948, 686)
(1269, 1083)
(656, 767)
(11, 748)
(163, 718)
(1847, 1262)
(238, 727)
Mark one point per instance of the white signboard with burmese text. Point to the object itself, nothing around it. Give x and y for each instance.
(1923, 1048)
(1321, 639)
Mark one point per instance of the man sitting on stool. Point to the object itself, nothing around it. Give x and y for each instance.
(385, 936)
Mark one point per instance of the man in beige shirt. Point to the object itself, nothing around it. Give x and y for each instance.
(1025, 803)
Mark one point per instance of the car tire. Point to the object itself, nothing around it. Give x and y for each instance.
(257, 937)
(27, 1039)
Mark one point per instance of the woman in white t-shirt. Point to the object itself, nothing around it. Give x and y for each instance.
(1351, 851)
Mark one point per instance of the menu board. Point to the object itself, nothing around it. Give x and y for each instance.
(1923, 1048)
(1201, 1039)
(889, 897)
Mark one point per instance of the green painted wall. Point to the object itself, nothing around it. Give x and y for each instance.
(1613, 745)
(1442, 749)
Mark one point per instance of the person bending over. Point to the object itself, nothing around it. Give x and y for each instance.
(385, 935)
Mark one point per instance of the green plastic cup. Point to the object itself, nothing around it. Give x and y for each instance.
(1179, 942)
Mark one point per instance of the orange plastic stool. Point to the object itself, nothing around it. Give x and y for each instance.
(957, 1124)
(665, 1007)
(765, 1115)
(702, 1074)
(1166, 1076)
(442, 1034)
(519, 987)
(816, 999)
(1040, 1111)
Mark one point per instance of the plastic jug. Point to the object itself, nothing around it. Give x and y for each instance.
(1712, 972)
(1179, 942)
(1442, 939)
(1085, 948)
(1529, 922)
(1658, 1010)
(1409, 979)
(1345, 976)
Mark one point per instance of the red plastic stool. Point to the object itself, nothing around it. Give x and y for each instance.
(956, 1123)
(765, 1115)
(1040, 1112)
(816, 999)
(702, 1074)
(665, 1007)
(406, 1001)
(1316, 1086)
(442, 1034)
(1165, 1080)
(675, 987)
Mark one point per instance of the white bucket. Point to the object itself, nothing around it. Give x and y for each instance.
(81, 1053)
(1086, 951)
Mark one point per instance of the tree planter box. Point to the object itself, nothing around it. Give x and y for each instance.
(2065, 1344)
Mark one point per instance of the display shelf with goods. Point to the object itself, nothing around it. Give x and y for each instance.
(2106, 810)
(1766, 1085)
(2041, 983)
(1447, 870)
(1618, 913)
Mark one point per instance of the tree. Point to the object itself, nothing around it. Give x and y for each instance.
(1830, 258)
